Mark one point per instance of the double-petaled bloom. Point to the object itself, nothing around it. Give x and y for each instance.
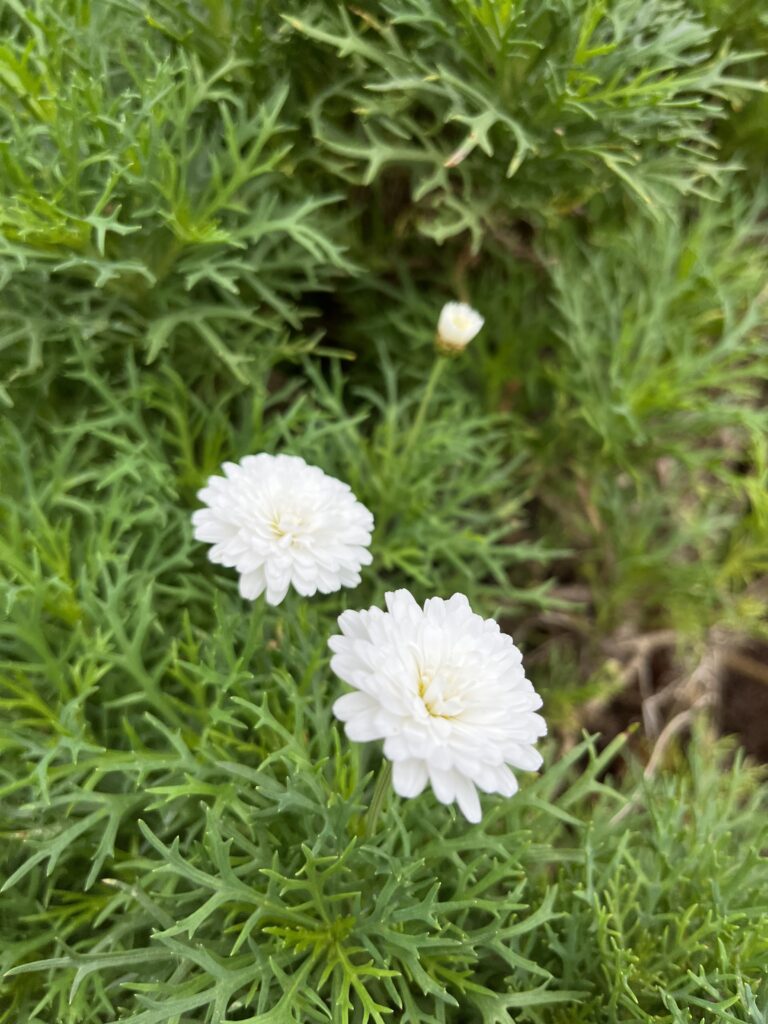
(446, 691)
(282, 523)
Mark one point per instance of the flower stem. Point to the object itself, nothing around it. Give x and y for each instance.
(426, 398)
(377, 800)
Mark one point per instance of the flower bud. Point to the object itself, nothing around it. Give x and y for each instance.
(457, 326)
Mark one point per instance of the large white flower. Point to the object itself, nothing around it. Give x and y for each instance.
(282, 523)
(446, 691)
(457, 325)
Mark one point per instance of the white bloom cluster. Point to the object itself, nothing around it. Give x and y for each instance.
(442, 687)
(457, 326)
(446, 691)
(282, 523)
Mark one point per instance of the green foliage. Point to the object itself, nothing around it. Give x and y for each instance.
(658, 428)
(161, 185)
(151, 204)
(249, 891)
(227, 226)
(569, 99)
(671, 906)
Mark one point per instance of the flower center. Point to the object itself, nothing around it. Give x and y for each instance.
(434, 691)
(286, 524)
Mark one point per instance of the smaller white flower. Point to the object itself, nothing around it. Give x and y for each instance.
(457, 326)
(282, 523)
(446, 691)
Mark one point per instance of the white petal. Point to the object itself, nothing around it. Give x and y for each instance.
(252, 585)
(353, 704)
(352, 624)
(397, 748)
(503, 782)
(349, 669)
(276, 592)
(303, 586)
(443, 785)
(467, 798)
(401, 604)
(521, 755)
(409, 777)
(362, 728)
(537, 722)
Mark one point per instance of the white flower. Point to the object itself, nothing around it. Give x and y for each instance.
(282, 523)
(446, 691)
(457, 326)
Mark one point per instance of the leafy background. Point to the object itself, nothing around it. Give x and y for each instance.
(228, 227)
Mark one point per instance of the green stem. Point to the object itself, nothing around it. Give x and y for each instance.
(426, 398)
(378, 798)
